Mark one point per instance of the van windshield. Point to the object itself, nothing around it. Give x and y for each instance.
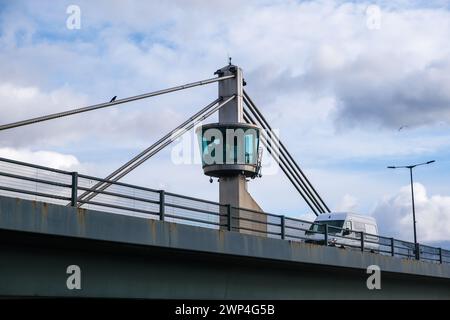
(320, 226)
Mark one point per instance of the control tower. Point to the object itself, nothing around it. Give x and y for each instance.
(230, 152)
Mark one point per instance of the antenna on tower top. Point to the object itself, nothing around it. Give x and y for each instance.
(229, 60)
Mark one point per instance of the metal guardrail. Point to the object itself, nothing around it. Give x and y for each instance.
(33, 182)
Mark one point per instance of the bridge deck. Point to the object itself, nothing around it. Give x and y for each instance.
(125, 256)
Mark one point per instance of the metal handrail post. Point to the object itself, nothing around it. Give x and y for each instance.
(74, 191)
(283, 227)
(230, 228)
(362, 240)
(162, 205)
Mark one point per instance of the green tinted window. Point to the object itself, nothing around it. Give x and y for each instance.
(234, 151)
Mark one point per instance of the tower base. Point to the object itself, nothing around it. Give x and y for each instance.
(245, 211)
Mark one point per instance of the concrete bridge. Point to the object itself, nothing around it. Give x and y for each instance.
(120, 256)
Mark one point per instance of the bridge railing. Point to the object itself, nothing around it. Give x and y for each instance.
(287, 228)
(33, 182)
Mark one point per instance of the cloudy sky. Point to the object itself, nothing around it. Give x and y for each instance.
(338, 79)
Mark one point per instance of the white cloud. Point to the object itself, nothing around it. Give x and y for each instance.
(342, 71)
(311, 66)
(115, 124)
(348, 203)
(394, 215)
(44, 158)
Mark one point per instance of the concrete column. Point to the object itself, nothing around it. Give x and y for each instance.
(233, 189)
(233, 111)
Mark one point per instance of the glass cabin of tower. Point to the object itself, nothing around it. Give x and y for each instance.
(229, 149)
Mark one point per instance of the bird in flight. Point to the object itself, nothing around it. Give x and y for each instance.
(113, 99)
(402, 127)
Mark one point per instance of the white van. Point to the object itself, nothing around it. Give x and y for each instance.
(346, 231)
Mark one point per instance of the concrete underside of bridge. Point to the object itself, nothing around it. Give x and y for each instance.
(130, 257)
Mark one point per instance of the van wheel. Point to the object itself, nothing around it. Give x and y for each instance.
(342, 246)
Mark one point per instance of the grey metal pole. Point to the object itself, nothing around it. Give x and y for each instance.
(280, 158)
(285, 168)
(362, 241)
(411, 167)
(258, 115)
(74, 191)
(149, 152)
(283, 227)
(162, 205)
(413, 206)
(229, 218)
(109, 104)
(292, 178)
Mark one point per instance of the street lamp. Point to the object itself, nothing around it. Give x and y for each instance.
(411, 167)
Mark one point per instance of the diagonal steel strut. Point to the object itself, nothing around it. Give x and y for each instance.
(320, 204)
(153, 149)
(272, 145)
(110, 104)
(267, 142)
